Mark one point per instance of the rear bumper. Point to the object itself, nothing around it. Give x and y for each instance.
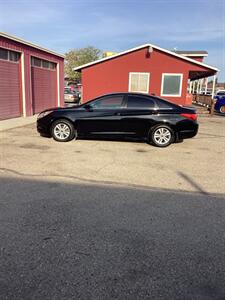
(189, 133)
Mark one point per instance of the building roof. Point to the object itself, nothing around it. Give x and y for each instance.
(199, 53)
(145, 46)
(19, 40)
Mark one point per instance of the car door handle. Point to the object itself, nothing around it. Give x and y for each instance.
(155, 112)
(117, 114)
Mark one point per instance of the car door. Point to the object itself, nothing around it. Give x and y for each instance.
(138, 115)
(102, 116)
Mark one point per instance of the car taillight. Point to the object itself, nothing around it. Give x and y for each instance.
(190, 116)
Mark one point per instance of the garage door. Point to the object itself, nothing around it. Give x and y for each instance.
(10, 103)
(44, 84)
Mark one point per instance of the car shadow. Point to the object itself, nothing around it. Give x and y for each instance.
(68, 240)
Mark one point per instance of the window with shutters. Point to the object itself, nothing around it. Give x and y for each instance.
(139, 82)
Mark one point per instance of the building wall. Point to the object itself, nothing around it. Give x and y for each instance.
(27, 52)
(113, 75)
(198, 58)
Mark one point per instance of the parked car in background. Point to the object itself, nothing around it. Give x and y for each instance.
(220, 103)
(123, 115)
(71, 96)
(220, 93)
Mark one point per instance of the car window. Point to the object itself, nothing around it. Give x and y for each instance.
(220, 93)
(164, 104)
(140, 102)
(108, 102)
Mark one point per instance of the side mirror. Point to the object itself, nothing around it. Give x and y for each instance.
(88, 107)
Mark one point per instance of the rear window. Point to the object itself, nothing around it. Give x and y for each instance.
(140, 102)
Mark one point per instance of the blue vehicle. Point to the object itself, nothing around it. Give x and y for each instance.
(220, 102)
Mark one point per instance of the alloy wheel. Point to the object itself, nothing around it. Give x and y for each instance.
(162, 136)
(62, 131)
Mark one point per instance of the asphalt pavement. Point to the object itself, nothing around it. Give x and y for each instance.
(66, 240)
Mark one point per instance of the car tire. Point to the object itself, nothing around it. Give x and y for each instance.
(63, 131)
(222, 109)
(161, 136)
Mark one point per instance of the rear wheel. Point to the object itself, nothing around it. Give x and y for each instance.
(222, 109)
(63, 131)
(161, 136)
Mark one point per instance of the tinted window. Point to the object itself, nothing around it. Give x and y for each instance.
(3, 54)
(221, 93)
(163, 104)
(139, 102)
(109, 102)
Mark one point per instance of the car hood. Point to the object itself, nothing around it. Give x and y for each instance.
(61, 108)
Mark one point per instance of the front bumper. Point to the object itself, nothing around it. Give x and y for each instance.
(43, 127)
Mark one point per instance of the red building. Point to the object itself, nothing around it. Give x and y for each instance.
(31, 78)
(147, 69)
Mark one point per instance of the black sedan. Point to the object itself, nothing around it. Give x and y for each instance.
(153, 119)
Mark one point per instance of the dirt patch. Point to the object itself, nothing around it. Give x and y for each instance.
(33, 146)
(141, 150)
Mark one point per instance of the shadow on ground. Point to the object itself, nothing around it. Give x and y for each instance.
(85, 241)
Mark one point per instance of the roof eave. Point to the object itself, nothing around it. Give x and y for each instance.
(77, 69)
(19, 40)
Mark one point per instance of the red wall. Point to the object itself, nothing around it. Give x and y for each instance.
(28, 52)
(198, 58)
(113, 75)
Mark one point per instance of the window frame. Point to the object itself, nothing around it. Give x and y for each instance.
(180, 88)
(8, 50)
(148, 80)
(42, 60)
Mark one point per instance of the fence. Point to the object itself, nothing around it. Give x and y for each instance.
(204, 100)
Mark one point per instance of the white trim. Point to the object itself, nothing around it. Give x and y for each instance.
(58, 84)
(180, 88)
(214, 85)
(206, 85)
(19, 40)
(145, 46)
(23, 84)
(129, 83)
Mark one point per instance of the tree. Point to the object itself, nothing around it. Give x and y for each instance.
(78, 57)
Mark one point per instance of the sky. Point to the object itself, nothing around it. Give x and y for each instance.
(113, 25)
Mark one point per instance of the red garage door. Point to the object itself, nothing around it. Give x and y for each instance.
(44, 84)
(10, 103)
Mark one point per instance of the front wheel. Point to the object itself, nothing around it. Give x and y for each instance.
(63, 131)
(161, 136)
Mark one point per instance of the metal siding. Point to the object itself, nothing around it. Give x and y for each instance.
(28, 52)
(44, 89)
(10, 104)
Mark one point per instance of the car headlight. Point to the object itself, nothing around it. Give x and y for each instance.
(44, 113)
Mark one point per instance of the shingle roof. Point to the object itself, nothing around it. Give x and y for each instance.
(194, 53)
